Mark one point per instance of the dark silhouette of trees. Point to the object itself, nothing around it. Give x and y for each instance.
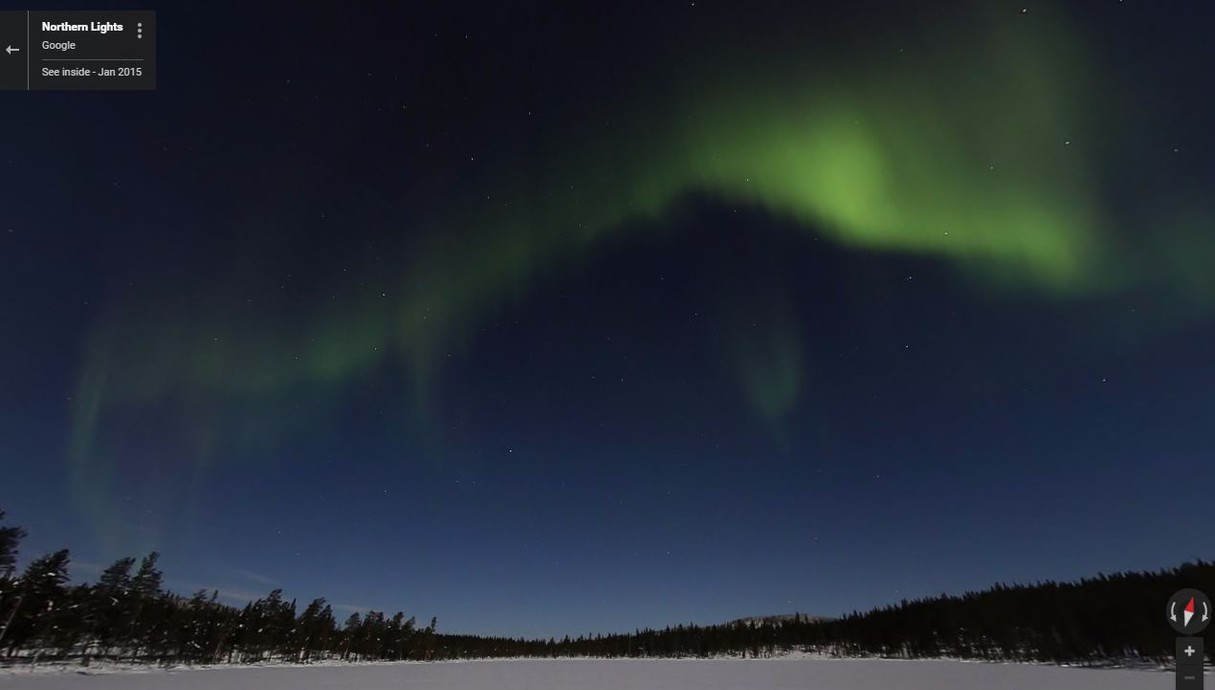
(127, 615)
(38, 609)
(112, 604)
(1109, 618)
(10, 538)
(315, 631)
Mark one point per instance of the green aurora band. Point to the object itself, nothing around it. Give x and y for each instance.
(969, 163)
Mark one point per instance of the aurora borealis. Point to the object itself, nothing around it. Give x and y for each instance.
(368, 259)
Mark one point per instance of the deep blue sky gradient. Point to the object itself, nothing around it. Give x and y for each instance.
(584, 465)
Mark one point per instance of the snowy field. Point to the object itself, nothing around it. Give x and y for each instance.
(623, 674)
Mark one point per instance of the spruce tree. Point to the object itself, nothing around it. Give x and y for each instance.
(38, 591)
(111, 605)
(147, 580)
(145, 587)
(10, 538)
(349, 631)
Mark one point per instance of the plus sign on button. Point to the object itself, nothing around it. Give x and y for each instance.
(1190, 665)
(1189, 651)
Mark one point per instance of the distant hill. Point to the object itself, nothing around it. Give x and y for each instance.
(1106, 619)
(780, 618)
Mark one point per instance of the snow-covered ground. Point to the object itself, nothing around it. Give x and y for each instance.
(615, 674)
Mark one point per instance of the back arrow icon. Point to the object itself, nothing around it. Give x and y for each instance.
(10, 50)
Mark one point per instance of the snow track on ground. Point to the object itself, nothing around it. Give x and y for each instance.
(604, 674)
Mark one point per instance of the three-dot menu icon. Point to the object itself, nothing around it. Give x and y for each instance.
(78, 50)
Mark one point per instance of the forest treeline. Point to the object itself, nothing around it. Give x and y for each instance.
(1105, 619)
(127, 615)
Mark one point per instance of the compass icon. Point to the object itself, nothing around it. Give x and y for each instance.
(1189, 611)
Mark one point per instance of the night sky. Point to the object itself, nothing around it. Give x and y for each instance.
(570, 318)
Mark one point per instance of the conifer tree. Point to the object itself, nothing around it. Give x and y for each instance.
(111, 604)
(10, 538)
(145, 588)
(38, 591)
(349, 630)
